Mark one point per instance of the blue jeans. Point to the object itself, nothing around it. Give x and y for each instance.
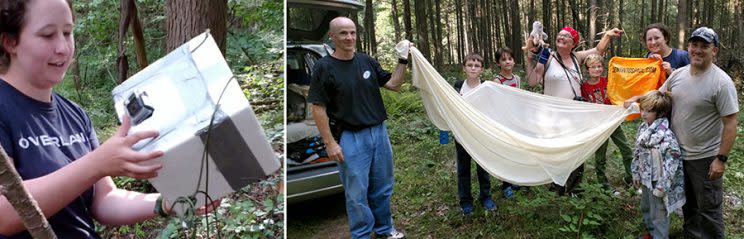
(367, 176)
(654, 214)
(463, 177)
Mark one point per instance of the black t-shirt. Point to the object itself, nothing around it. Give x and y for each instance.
(43, 137)
(349, 89)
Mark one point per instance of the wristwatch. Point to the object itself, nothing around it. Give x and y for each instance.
(722, 157)
(402, 61)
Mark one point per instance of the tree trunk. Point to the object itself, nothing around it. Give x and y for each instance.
(394, 15)
(575, 14)
(531, 17)
(653, 11)
(696, 9)
(592, 23)
(547, 18)
(438, 32)
(516, 45)
(369, 24)
(186, 19)
(421, 29)
(709, 12)
(460, 30)
(139, 38)
(681, 23)
(739, 24)
(11, 187)
(407, 20)
(619, 50)
(448, 33)
(125, 15)
(561, 13)
(433, 22)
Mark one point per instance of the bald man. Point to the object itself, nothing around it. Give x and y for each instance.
(350, 114)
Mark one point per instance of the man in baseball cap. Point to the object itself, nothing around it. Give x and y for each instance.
(704, 119)
(704, 109)
(705, 34)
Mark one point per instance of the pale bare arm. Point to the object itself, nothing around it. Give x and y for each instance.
(56, 190)
(322, 122)
(397, 79)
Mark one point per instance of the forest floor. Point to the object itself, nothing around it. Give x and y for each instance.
(425, 203)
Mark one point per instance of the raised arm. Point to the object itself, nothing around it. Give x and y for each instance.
(397, 79)
(601, 46)
(535, 72)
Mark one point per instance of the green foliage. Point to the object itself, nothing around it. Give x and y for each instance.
(425, 202)
(239, 216)
(256, 32)
(589, 212)
(254, 53)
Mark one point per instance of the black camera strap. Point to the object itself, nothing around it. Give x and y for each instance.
(559, 59)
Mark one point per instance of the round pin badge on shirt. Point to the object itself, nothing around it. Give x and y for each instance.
(366, 74)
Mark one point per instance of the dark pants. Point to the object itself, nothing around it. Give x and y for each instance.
(618, 137)
(571, 183)
(704, 208)
(463, 177)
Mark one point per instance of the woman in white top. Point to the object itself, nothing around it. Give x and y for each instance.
(560, 74)
(554, 75)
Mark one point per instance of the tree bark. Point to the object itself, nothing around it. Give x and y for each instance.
(121, 60)
(438, 11)
(575, 15)
(186, 19)
(139, 38)
(11, 186)
(619, 50)
(516, 35)
(460, 30)
(531, 17)
(547, 18)
(435, 42)
(739, 24)
(369, 19)
(681, 23)
(592, 23)
(407, 20)
(421, 28)
(653, 11)
(394, 15)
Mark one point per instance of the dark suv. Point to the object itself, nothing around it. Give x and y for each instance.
(310, 174)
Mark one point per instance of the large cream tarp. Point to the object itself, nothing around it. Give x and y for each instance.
(517, 136)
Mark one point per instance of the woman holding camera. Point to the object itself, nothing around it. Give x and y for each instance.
(51, 141)
(559, 72)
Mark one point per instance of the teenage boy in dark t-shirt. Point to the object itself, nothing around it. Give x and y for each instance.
(345, 89)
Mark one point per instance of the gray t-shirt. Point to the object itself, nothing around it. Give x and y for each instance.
(698, 103)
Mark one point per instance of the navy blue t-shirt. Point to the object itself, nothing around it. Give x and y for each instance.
(43, 137)
(677, 59)
(350, 89)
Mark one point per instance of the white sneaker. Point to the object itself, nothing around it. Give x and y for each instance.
(394, 234)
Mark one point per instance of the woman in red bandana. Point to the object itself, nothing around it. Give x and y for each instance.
(559, 72)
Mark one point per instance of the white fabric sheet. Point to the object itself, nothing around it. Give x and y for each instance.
(517, 136)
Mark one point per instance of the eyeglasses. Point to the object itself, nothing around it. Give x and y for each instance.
(473, 66)
(564, 36)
